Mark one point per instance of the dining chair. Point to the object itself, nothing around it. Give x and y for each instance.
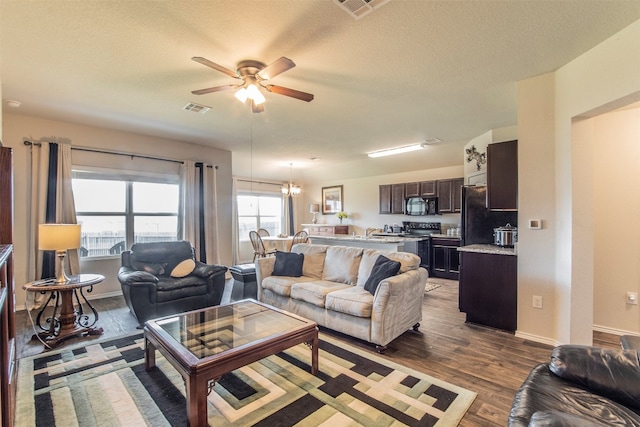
(299, 237)
(258, 246)
(263, 233)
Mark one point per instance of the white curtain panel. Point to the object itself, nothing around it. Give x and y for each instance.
(65, 204)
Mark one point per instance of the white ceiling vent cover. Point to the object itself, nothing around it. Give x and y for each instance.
(196, 108)
(360, 8)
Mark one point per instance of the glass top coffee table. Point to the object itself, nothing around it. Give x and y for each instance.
(205, 344)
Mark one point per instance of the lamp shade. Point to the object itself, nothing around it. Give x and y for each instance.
(314, 208)
(58, 237)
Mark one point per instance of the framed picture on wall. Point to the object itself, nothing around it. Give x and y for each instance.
(332, 199)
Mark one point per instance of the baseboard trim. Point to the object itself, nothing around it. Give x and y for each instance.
(614, 331)
(536, 338)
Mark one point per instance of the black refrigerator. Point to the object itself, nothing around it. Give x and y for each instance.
(477, 222)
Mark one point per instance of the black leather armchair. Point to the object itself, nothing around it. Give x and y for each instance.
(163, 278)
(581, 386)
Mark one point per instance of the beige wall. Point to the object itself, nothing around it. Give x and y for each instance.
(18, 128)
(556, 184)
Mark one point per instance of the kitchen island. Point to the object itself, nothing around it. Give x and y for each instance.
(488, 290)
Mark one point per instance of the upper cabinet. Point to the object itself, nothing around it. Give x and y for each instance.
(412, 189)
(391, 200)
(502, 176)
(449, 195)
(428, 189)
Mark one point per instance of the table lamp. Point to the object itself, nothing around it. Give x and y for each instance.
(59, 238)
(314, 208)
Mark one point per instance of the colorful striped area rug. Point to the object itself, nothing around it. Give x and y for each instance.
(105, 384)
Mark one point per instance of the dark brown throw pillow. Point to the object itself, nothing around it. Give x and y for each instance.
(382, 269)
(288, 264)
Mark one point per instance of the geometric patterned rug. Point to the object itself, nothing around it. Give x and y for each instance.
(105, 384)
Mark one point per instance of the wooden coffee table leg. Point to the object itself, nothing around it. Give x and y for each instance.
(149, 355)
(314, 354)
(196, 389)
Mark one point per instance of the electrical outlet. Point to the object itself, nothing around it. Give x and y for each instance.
(632, 298)
(537, 301)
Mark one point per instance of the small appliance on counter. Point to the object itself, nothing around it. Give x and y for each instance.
(505, 236)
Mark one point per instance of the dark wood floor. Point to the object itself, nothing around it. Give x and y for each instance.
(491, 363)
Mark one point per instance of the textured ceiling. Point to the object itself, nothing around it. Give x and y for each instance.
(406, 72)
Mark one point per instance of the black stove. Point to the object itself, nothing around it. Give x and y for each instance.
(421, 229)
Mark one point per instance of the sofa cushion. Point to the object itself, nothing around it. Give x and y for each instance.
(314, 292)
(341, 264)
(407, 260)
(382, 269)
(281, 285)
(313, 258)
(354, 300)
(288, 264)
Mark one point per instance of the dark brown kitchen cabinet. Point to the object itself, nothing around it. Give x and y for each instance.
(391, 198)
(502, 176)
(445, 260)
(412, 189)
(385, 199)
(449, 195)
(428, 189)
(397, 198)
(488, 289)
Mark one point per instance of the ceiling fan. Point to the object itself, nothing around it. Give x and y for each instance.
(253, 75)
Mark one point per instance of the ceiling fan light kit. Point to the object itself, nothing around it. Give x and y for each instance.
(397, 150)
(253, 74)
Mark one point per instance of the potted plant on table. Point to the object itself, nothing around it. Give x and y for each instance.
(341, 215)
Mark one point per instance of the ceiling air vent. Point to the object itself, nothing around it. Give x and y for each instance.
(360, 8)
(431, 141)
(196, 108)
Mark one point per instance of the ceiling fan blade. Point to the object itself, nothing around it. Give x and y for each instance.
(257, 108)
(214, 89)
(277, 67)
(216, 67)
(280, 90)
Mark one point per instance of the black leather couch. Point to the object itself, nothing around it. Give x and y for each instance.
(151, 288)
(581, 386)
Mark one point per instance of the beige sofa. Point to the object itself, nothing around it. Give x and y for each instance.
(331, 291)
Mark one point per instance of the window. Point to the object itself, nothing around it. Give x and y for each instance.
(259, 211)
(116, 213)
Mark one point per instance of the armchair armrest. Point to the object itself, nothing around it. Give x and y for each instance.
(208, 270)
(129, 276)
(611, 373)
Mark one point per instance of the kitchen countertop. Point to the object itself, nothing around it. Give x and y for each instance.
(488, 249)
(376, 239)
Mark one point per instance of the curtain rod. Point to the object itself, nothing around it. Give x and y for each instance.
(260, 182)
(116, 153)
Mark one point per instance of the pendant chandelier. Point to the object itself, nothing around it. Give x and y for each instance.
(290, 190)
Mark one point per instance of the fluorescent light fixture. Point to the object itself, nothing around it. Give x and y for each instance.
(398, 150)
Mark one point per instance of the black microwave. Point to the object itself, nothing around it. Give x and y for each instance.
(416, 206)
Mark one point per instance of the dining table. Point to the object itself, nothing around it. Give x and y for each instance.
(280, 243)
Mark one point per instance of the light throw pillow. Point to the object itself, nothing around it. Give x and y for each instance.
(382, 269)
(184, 268)
(288, 264)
